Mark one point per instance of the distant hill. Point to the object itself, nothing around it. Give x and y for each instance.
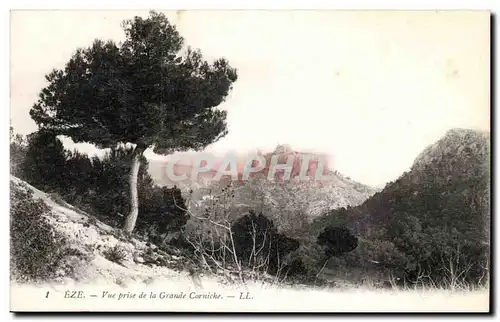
(183, 164)
(449, 178)
(290, 203)
(433, 215)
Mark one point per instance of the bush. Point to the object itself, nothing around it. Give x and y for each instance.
(17, 153)
(116, 254)
(44, 161)
(161, 211)
(337, 240)
(100, 186)
(296, 268)
(257, 241)
(37, 250)
(105, 193)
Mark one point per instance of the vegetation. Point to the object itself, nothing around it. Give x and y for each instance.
(36, 249)
(431, 225)
(116, 254)
(258, 243)
(99, 186)
(147, 91)
(337, 240)
(44, 159)
(17, 152)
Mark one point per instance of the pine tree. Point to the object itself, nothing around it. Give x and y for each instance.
(146, 91)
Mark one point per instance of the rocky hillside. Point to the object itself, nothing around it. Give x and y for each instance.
(433, 221)
(447, 186)
(98, 253)
(456, 143)
(277, 198)
(314, 197)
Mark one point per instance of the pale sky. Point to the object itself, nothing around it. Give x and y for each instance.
(371, 88)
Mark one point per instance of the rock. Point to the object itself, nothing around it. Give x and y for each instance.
(135, 243)
(161, 261)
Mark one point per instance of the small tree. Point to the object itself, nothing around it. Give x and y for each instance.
(337, 241)
(144, 91)
(18, 146)
(259, 245)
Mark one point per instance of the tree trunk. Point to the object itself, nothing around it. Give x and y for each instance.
(134, 198)
(322, 268)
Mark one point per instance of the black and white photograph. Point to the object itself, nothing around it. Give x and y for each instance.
(277, 161)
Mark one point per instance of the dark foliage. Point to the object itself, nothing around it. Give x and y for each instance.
(44, 160)
(162, 208)
(107, 187)
(116, 254)
(296, 268)
(99, 186)
(36, 248)
(337, 240)
(107, 194)
(145, 91)
(255, 235)
(18, 147)
(434, 220)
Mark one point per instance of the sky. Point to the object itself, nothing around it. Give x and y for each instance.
(370, 88)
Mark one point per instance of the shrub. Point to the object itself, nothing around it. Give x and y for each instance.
(100, 187)
(37, 250)
(17, 153)
(105, 193)
(161, 211)
(338, 240)
(296, 268)
(257, 241)
(116, 254)
(45, 158)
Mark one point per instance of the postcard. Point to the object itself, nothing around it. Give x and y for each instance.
(252, 161)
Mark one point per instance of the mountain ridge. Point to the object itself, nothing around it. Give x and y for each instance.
(456, 165)
(316, 197)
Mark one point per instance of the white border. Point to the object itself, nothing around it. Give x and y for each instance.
(260, 4)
